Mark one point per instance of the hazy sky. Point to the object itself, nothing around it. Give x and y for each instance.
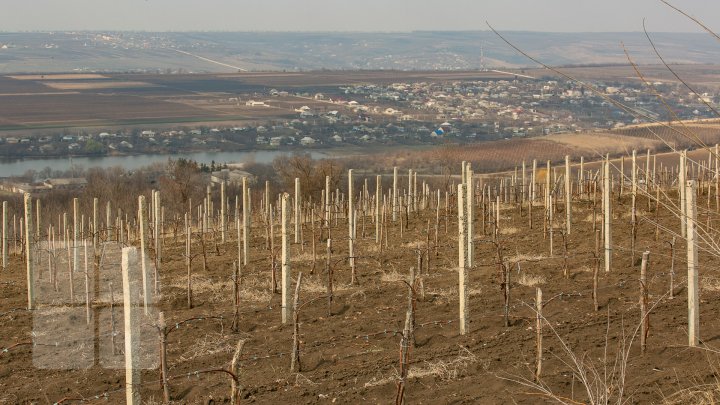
(355, 15)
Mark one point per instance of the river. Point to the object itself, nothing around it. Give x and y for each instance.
(17, 167)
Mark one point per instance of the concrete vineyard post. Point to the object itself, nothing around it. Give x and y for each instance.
(469, 216)
(4, 241)
(533, 181)
(223, 219)
(568, 194)
(157, 234)
(76, 230)
(607, 216)
(692, 263)
(142, 223)
(95, 223)
(395, 194)
(245, 220)
(29, 253)
(378, 196)
(285, 257)
(462, 259)
(682, 179)
(538, 333)
(132, 334)
(296, 204)
(351, 224)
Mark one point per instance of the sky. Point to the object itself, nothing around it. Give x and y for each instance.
(355, 15)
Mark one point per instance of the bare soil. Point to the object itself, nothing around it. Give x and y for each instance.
(351, 355)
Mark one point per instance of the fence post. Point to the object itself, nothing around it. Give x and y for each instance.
(29, 252)
(607, 215)
(4, 240)
(538, 332)
(285, 258)
(132, 336)
(644, 315)
(690, 216)
(462, 258)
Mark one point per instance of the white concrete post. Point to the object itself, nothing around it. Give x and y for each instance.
(4, 240)
(692, 260)
(285, 253)
(223, 219)
(469, 215)
(132, 334)
(297, 210)
(29, 252)
(395, 194)
(568, 195)
(142, 224)
(607, 215)
(245, 220)
(462, 258)
(682, 190)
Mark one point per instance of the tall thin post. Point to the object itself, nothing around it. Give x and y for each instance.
(395, 194)
(469, 216)
(462, 258)
(223, 218)
(4, 241)
(607, 216)
(132, 335)
(245, 220)
(142, 223)
(296, 203)
(644, 315)
(568, 195)
(682, 190)
(692, 263)
(285, 257)
(538, 333)
(29, 251)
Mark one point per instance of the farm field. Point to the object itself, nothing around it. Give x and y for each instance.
(350, 348)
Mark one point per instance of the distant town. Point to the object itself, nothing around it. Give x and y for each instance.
(400, 113)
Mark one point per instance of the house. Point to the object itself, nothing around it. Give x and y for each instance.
(229, 176)
(337, 138)
(276, 140)
(307, 141)
(253, 103)
(68, 183)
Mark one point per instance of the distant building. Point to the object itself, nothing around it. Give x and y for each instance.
(229, 176)
(69, 183)
(307, 141)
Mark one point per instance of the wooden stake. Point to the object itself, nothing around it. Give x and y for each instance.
(644, 315)
(295, 358)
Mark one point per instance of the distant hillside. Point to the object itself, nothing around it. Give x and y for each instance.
(423, 50)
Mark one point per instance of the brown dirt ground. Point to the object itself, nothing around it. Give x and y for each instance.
(351, 356)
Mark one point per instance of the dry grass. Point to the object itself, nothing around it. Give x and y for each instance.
(710, 284)
(531, 280)
(522, 257)
(444, 370)
(510, 230)
(209, 344)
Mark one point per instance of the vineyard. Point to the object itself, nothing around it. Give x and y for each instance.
(577, 283)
